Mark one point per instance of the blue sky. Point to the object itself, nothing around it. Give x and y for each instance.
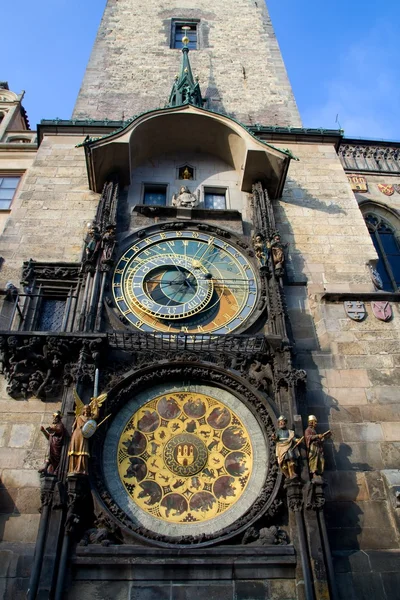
(341, 56)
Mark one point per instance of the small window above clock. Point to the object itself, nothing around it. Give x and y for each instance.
(181, 28)
(215, 198)
(155, 195)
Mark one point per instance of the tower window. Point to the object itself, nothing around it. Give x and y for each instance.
(8, 185)
(155, 195)
(215, 199)
(388, 249)
(179, 31)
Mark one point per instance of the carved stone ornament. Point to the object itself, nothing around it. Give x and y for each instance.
(104, 532)
(185, 198)
(355, 309)
(376, 278)
(266, 536)
(32, 270)
(315, 494)
(382, 310)
(39, 366)
(294, 490)
(200, 374)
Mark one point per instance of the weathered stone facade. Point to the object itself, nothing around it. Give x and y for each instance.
(300, 327)
(245, 78)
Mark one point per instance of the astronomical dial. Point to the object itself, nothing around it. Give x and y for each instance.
(184, 281)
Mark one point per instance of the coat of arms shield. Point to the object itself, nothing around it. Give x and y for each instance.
(382, 310)
(386, 189)
(355, 309)
(396, 187)
(358, 183)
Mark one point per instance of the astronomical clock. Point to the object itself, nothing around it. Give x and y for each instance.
(187, 281)
(187, 455)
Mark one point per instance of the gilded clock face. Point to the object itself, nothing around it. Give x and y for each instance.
(185, 457)
(187, 281)
(183, 460)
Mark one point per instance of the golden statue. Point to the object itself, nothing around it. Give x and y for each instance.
(286, 448)
(83, 428)
(315, 447)
(186, 174)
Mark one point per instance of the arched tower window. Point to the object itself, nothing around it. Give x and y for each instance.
(387, 246)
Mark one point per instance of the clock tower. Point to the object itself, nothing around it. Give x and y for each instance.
(235, 55)
(197, 259)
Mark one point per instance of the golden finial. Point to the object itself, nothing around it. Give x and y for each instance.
(185, 39)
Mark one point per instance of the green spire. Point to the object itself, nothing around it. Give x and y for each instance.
(185, 90)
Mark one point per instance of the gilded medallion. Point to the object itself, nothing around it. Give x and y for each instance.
(185, 457)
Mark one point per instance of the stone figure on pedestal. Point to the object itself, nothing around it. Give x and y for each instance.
(260, 249)
(83, 428)
(278, 255)
(315, 447)
(185, 198)
(55, 434)
(286, 448)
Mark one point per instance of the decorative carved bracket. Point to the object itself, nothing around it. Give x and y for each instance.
(39, 365)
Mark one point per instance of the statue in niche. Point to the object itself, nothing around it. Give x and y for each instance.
(186, 173)
(277, 252)
(185, 198)
(315, 447)
(286, 448)
(260, 249)
(55, 434)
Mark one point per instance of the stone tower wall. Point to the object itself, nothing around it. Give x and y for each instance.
(241, 71)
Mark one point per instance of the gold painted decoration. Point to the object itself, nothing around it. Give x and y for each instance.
(358, 183)
(184, 457)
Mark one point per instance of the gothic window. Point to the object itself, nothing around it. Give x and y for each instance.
(181, 29)
(155, 195)
(215, 199)
(8, 185)
(388, 248)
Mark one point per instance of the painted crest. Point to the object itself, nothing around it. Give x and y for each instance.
(89, 428)
(355, 309)
(396, 187)
(358, 183)
(382, 310)
(386, 189)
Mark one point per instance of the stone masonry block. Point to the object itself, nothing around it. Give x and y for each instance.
(21, 435)
(391, 431)
(362, 432)
(347, 378)
(348, 396)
